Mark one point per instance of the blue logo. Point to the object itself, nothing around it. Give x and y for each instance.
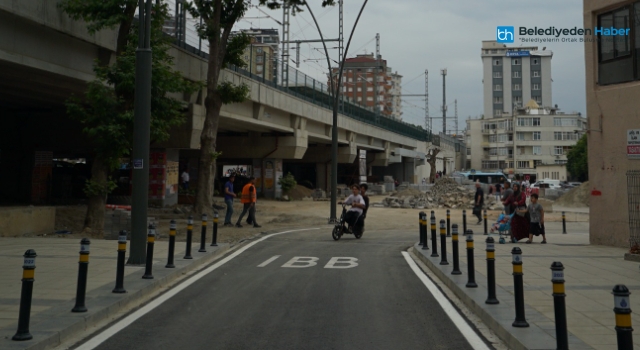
(505, 34)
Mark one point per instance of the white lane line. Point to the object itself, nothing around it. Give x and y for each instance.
(269, 261)
(109, 332)
(472, 337)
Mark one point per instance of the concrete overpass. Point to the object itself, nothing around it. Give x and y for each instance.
(45, 57)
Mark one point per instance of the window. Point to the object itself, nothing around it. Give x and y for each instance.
(370, 98)
(558, 150)
(497, 112)
(520, 136)
(535, 87)
(493, 138)
(536, 73)
(516, 62)
(493, 151)
(537, 150)
(516, 87)
(536, 136)
(259, 69)
(537, 162)
(259, 50)
(494, 51)
(344, 89)
(489, 164)
(528, 121)
(516, 74)
(503, 151)
(369, 89)
(565, 122)
(497, 99)
(359, 89)
(523, 164)
(535, 62)
(498, 87)
(560, 161)
(538, 99)
(520, 150)
(616, 54)
(258, 59)
(497, 62)
(619, 47)
(246, 57)
(359, 99)
(468, 151)
(503, 138)
(565, 136)
(517, 100)
(369, 79)
(497, 74)
(351, 80)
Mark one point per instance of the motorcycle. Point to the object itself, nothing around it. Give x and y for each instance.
(342, 227)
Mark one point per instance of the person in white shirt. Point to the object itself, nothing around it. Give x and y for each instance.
(357, 205)
(185, 179)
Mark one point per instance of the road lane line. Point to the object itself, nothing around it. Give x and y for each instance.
(472, 337)
(109, 332)
(269, 261)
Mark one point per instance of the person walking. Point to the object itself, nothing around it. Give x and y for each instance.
(185, 179)
(248, 199)
(519, 222)
(506, 195)
(478, 202)
(536, 215)
(497, 192)
(229, 195)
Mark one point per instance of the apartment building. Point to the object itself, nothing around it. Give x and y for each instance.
(514, 75)
(260, 59)
(519, 143)
(612, 88)
(368, 81)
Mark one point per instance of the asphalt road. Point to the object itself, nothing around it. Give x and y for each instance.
(378, 304)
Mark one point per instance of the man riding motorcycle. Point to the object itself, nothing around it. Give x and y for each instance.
(357, 206)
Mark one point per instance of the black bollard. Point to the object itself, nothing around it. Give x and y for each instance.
(214, 242)
(622, 309)
(464, 221)
(203, 234)
(443, 243)
(448, 223)
(425, 236)
(559, 307)
(454, 247)
(28, 274)
(518, 288)
(486, 232)
(420, 227)
(491, 272)
(187, 254)
(471, 269)
(564, 224)
(151, 239)
(83, 269)
(172, 244)
(122, 250)
(434, 239)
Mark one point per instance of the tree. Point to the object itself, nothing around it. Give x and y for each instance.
(106, 109)
(431, 160)
(287, 182)
(218, 18)
(578, 160)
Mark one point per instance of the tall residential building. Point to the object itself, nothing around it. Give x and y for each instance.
(517, 144)
(514, 75)
(362, 75)
(260, 38)
(259, 60)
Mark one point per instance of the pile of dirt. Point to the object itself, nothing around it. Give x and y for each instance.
(299, 192)
(408, 192)
(577, 197)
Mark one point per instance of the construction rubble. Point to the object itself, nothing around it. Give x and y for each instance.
(446, 193)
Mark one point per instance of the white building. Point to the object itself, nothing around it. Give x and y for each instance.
(517, 144)
(395, 95)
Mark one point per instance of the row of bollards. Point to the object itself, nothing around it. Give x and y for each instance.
(28, 273)
(621, 293)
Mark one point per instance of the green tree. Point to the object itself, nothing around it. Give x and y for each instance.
(106, 109)
(287, 182)
(218, 18)
(578, 160)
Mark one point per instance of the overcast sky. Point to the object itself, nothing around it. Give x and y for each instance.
(429, 34)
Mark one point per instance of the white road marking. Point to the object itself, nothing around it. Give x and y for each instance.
(474, 340)
(301, 262)
(269, 261)
(342, 263)
(109, 332)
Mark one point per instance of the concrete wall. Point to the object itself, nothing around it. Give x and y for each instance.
(27, 220)
(612, 110)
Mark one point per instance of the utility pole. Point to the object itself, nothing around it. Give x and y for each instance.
(141, 137)
(375, 76)
(285, 45)
(427, 118)
(444, 101)
(456, 114)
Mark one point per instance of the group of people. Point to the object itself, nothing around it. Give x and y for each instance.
(526, 221)
(248, 199)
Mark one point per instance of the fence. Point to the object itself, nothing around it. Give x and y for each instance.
(633, 196)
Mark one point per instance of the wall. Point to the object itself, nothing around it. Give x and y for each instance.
(27, 220)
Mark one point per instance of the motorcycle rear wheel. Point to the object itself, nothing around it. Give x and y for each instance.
(336, 233)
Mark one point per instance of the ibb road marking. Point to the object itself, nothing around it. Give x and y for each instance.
(267, 262)
(338, 262)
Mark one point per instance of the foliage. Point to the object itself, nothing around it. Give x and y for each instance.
(287, 182)
(99, 188)
(578, 160)
(98, 14)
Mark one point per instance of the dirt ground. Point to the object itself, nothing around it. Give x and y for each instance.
(273, 216)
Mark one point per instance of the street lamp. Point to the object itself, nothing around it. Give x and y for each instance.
(336, 96)
(141, 136)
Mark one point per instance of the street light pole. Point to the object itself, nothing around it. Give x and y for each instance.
(141, 136)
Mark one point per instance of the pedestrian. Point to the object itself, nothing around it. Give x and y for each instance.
(498, 189)
(185, 179)
(536, 217)
(506, 194)
(248, 199)
(519, 222)
(478, 202)
(229, 195)
(424, 180)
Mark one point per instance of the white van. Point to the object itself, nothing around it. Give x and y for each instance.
(553, 184)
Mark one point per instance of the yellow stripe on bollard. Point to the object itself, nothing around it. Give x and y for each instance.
(517, 268)
(84, 257)
(189, 227)
(204, 223)
(215, 220)
(28, 273)
(122, 246)
(470, 244)
(151, 239)
(558, 288)
(623, 320)
(172, 232)
(491, 255)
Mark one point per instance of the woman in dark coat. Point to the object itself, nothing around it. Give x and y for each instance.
(519, 224)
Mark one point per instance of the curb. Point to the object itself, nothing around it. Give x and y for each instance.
(58, 324)
(539, 335)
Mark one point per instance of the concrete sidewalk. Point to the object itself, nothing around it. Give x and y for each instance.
(591, 272)
(52, 321)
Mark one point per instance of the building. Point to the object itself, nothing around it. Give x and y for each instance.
(612, 91)
(514, 75)
(265, 41)
(362, 75)
(517, 144)
(552, 171)
(259, 59)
